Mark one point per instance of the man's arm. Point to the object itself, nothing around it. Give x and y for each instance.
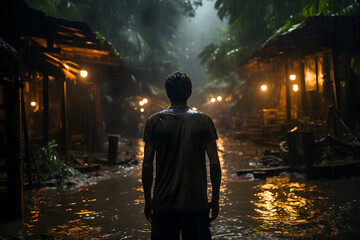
(147, 177)
(215, 176)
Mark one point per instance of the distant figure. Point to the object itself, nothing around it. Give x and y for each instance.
(180, 137)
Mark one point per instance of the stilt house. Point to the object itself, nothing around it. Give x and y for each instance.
(305, 77)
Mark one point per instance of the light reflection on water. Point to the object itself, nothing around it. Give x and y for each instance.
(276, 208)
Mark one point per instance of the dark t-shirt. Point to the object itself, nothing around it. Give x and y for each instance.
(180, 135)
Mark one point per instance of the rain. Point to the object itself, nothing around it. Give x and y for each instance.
(280, 80)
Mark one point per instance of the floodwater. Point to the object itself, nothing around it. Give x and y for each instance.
(284, 207)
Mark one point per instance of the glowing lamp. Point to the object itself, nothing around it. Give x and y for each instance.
(292, 77)
(263, 87)
(33, 103)
(83, 73)
(141, 103)
(145, 100)
(295, 87)
(194, 108)
(213, 99)
(219, 98)
(142, 110)
(66, 66)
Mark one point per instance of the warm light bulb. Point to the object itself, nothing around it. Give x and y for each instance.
(33, 103)
(194, 108)
(83, 73)
(213, 99)
(145, 100)
(142, 110)
(263, 87)
(295, 87)
(219, 98)
(292, 77)
(141, 103)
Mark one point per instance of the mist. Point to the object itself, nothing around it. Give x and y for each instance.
(193, 35)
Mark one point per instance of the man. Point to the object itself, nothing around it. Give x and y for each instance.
(180, 137)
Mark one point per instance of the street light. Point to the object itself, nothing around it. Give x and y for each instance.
(295, 87)
(263, 87)
(83, 73)
(213, 100)
(219, 98)
(292, 77)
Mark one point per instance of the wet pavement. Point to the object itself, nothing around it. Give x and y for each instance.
(110, 206)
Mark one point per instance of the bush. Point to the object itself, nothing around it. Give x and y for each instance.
(51, 163)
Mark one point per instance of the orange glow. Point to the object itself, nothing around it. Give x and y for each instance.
(194, 108)
(33, 103)
(263, 87)
(83, 73)
(142, 110)
(292, 77)
(295, 87)
(219, 98)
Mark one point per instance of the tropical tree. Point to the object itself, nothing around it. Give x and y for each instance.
(251, 23)
(142, 31)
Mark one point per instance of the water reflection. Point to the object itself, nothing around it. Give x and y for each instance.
(281, 200)
(292, 209)
(277, 208)
(224, 191)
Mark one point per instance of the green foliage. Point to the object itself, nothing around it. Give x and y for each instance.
(139, 29)
(251, 23)
(324, 158)
(51, 165)
(99, 37)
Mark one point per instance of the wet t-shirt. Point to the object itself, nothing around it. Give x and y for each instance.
(179, 135)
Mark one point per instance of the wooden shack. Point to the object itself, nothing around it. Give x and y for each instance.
(65, 67)
(304, 78)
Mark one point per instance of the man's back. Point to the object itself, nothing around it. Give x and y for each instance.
(179, 135)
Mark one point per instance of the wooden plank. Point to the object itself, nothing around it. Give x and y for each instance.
(87, 168)
(336, 169)
(268, 171)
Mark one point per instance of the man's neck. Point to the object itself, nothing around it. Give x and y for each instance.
(179, 104)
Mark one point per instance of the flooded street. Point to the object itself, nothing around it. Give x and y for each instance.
(284, 207)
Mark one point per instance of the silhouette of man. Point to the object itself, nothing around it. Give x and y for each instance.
(180, 136)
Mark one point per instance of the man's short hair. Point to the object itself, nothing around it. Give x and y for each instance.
(178, 87)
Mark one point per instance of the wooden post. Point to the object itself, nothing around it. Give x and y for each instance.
(64, 135)
(309, 152)
(26, 141)
(293, 151)
(14, 161)
(45, 110)
(317, 74)
(337, 87)
(98, 118)
(288, 95)
(113, 149)
(90, 116)
(302, 88)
